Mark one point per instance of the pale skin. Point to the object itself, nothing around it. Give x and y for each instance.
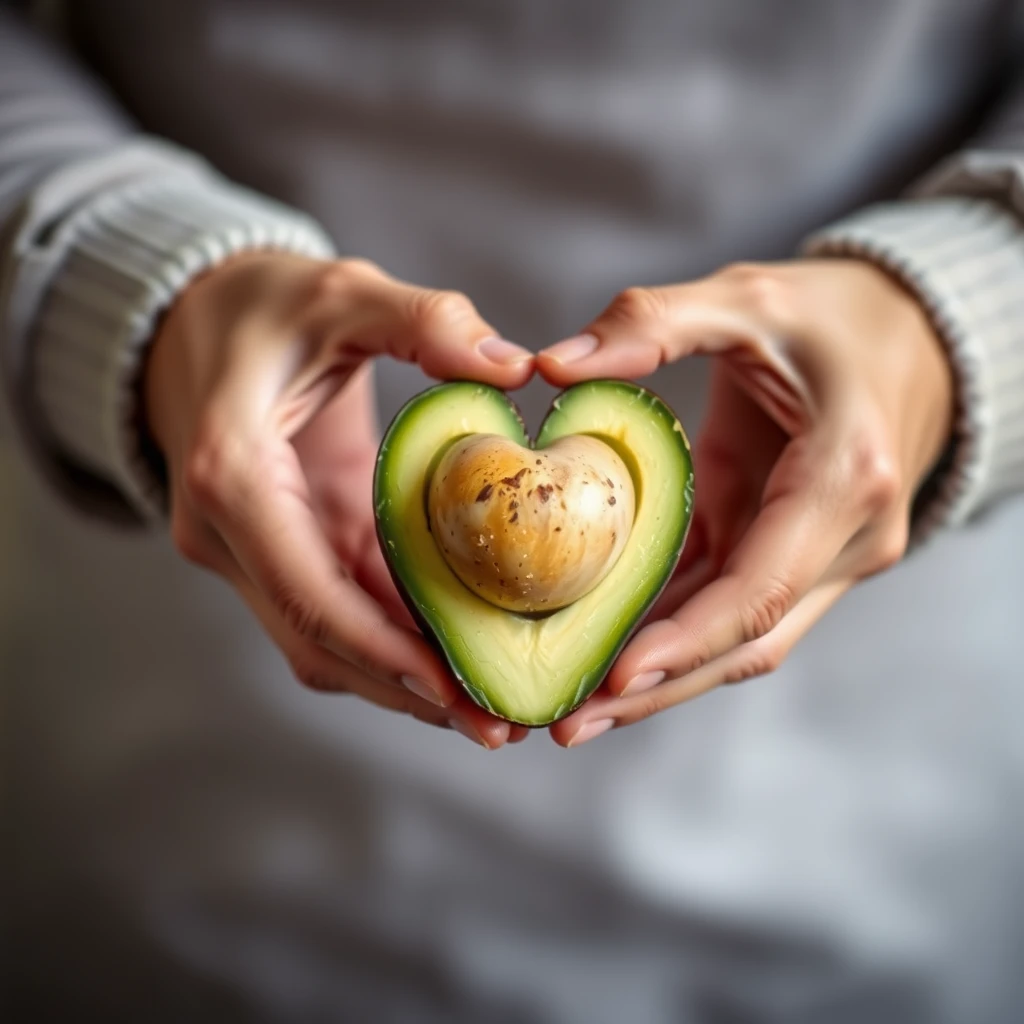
(831, 402)
(257, 392)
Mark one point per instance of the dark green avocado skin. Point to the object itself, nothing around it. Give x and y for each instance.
(403, 575)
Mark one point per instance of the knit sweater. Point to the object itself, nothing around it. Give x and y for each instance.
(105, 224)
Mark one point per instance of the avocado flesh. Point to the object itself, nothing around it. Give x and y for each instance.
(527, 669)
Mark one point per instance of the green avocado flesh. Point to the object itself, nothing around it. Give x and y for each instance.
(527, 669)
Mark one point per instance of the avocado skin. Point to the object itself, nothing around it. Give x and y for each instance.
(668, 564)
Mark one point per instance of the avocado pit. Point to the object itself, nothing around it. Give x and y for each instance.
(531, 531)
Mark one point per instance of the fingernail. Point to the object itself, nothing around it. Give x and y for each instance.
(468, 731)
(423, 690)
(572, 349)
(591, 730)
(498, 350)
(642, 682)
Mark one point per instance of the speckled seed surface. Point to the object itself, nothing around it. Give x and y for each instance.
(531, 531)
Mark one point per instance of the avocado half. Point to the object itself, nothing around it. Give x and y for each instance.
(533, 669)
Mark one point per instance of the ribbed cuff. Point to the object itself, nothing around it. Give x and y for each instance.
(127, 255)
(964, 260)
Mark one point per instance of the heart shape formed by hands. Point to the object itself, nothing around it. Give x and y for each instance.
(591, 518)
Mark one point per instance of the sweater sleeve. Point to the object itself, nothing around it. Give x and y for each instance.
(100, 228)
(957, 242)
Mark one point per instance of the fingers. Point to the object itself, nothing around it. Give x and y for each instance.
(428, 695)
(317, 669)
(320, 670)
(810, 513)
(759, 657)
(740, 308)
(364, 312)
(254, 495)
(518, 733)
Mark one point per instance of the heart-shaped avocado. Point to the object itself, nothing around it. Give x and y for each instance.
(529, 565)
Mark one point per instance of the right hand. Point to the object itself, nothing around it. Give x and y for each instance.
(257, 392)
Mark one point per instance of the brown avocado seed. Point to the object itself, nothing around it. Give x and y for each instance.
(530, 531)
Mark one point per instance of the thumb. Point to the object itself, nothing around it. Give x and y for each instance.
(644, 328)
(449, 339)
(365, 312)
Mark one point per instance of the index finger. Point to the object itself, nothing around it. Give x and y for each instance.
(806, 521)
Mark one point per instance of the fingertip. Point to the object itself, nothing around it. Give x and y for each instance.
(503, 352)
(479, 725)
(556, 374)
(560, 734)
(563, 731)
(578, 729)
(493, 732)
(503, 363)
(642, 659)
(491, 360)
(572, 350)
(518, 733)
(587, 357)
(565, 362)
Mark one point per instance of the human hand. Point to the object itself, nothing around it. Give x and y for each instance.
(257, 392)
(831, 400)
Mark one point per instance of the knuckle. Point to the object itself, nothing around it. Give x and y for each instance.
(644, 706)
(297, 612)
(699, 648)
(637, 305)
(742, 271)
(763, 290)
(357, 266)
(875, 473)
(341, 276)
(211, 468)
(700, 657)
(760, 659)
(440, 311)
(761, 615)
(201, 479)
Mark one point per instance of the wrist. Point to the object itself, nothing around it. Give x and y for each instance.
(159, 389)
(929, 382)
(964, 260)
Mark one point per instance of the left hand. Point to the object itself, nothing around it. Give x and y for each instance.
(256, 393)
(831, 401)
